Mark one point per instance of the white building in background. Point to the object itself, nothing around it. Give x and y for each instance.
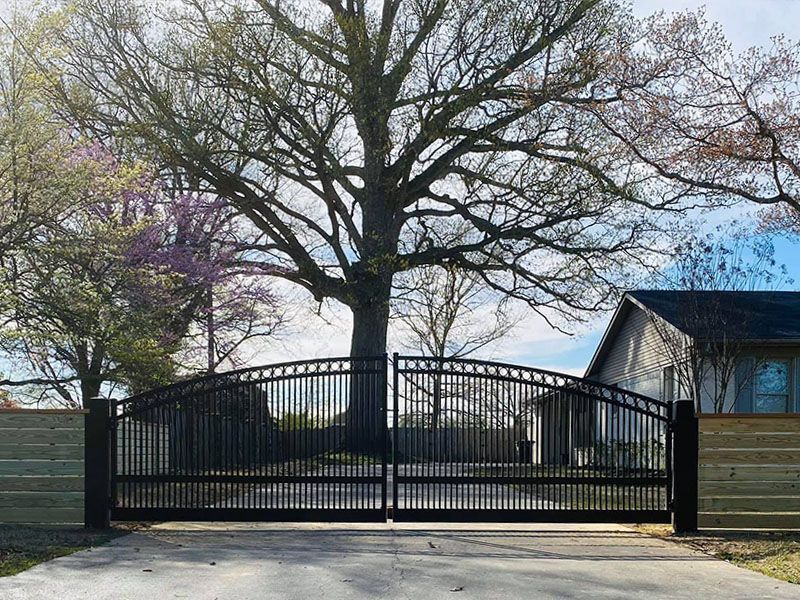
(766, 325)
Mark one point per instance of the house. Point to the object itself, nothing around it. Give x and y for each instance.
(757, 332)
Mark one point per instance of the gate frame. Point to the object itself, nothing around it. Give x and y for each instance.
(547, 515)
(101, 438)
(682, 466)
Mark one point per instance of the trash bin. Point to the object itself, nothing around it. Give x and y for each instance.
(525, 450)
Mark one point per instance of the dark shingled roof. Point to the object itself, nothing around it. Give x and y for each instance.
(748, 315)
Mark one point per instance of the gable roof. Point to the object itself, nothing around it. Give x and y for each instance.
(754, 316)
(750, 315)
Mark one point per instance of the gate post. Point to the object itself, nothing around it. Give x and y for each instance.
(684, 466)
(97, 460)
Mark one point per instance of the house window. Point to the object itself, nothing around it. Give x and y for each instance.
(772, 384)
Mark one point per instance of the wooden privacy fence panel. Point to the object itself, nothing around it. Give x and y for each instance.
(41, 466)
(749, 474)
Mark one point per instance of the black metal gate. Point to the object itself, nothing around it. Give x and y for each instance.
(484, 441)
(269, 443)
(470, 441)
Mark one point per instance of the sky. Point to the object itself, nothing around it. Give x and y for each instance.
(746, 23)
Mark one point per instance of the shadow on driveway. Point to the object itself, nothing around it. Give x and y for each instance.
(301, 561)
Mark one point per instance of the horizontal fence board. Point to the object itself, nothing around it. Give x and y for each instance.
(40, 484)
(743, 424)
(42, 436)
(43, 515)
(41, 451)
(41, 467)
(750, 473)
(16, 420)
(775, 504)
(748, 456)
(749, 521)
(721, 489)
(41, 500)
(760, 441)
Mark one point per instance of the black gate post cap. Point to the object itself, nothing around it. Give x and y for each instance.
(682, 408)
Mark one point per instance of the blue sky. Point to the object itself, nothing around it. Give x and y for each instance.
(746, 23)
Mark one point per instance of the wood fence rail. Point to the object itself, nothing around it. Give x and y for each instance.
(749, 471)
(41, 466)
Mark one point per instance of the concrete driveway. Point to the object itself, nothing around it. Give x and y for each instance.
(302, 561)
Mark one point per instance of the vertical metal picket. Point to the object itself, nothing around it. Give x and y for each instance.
(264, 443)
(586, 456)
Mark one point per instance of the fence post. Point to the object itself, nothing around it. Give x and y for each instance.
(684, 466)
(97, 458)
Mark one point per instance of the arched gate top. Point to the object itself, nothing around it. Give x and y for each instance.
(403, 364)
(530, 375)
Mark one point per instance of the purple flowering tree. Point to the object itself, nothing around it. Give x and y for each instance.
(229, 305)
(120, 287)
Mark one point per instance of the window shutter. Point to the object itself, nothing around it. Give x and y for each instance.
(745, 371)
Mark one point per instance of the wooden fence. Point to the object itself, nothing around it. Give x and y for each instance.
(41, 466)
(749, 474)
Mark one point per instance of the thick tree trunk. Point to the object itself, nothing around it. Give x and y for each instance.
(89, 368)
(90, 388)
(370, 325)
(366, 420)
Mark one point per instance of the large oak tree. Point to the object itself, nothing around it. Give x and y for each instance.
(358, 135)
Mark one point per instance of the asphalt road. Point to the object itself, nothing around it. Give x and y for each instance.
(303, 561)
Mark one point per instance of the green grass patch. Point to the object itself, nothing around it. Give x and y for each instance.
(776, 554)
(24, 546)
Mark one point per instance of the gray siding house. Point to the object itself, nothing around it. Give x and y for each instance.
(766, 325)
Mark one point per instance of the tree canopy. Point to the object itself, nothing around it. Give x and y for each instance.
(359, 135)
(539, 147)
(114, 289)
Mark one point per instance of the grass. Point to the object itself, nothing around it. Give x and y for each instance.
(776, 554)
(24, 546)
